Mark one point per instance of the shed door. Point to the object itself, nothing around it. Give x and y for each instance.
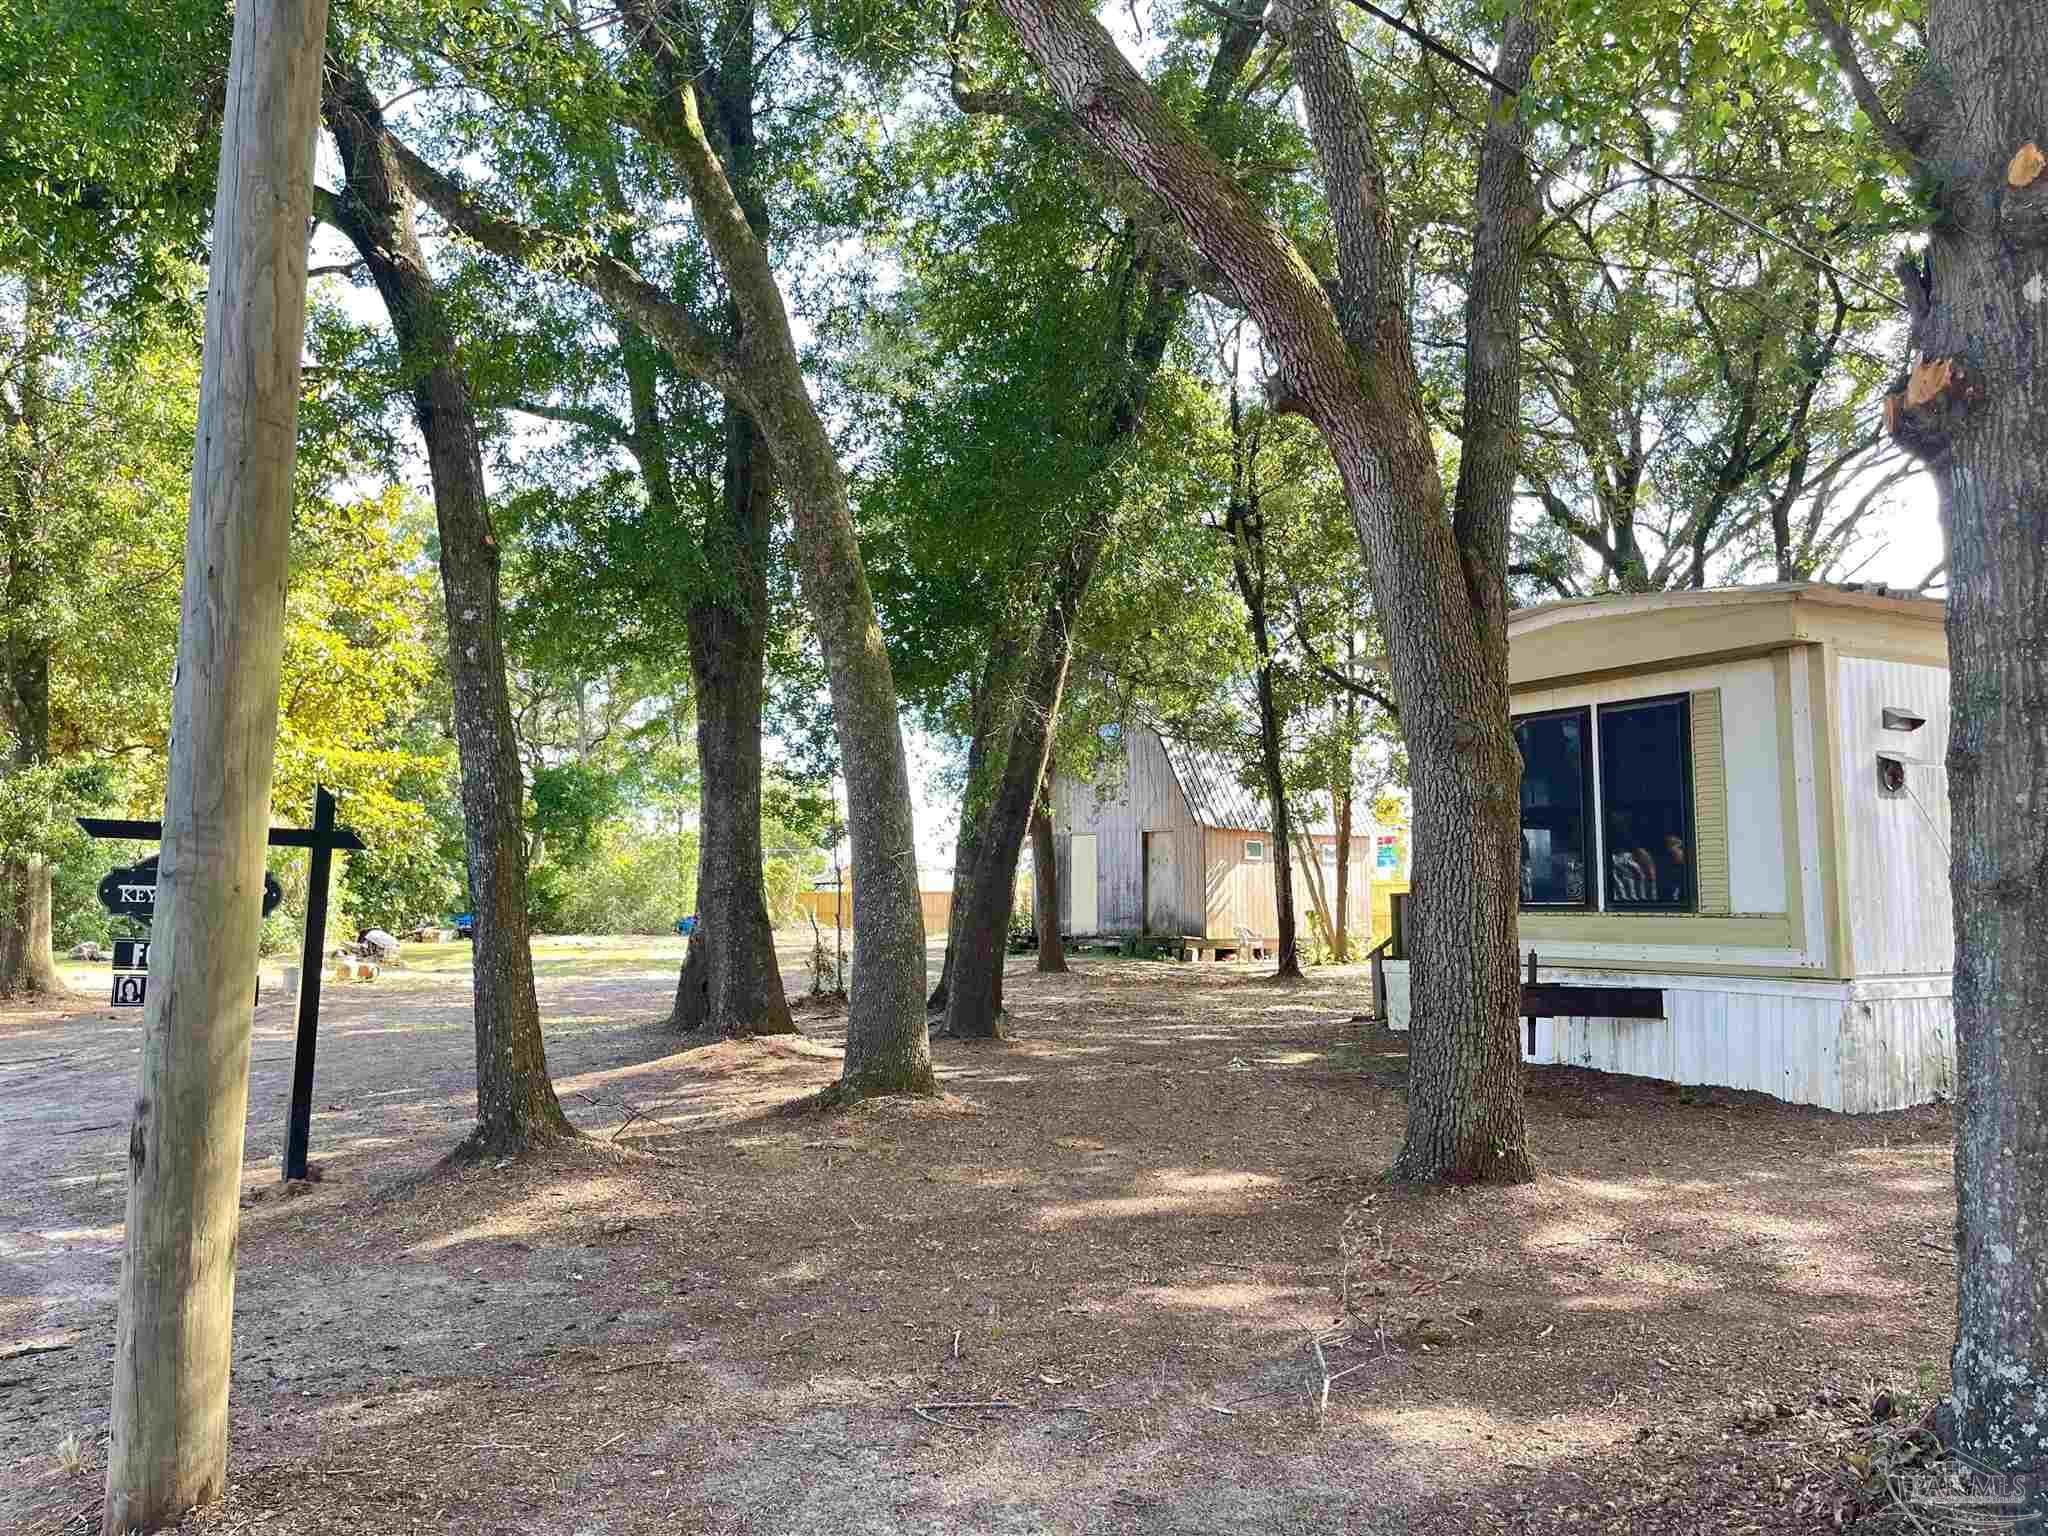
(1082, 906)
(1162, 885)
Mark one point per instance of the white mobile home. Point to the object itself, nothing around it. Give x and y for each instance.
(1739, 797)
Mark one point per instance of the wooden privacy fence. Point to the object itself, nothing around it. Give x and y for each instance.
(937, 905)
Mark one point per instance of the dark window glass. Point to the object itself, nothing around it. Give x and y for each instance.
(1646, 805)
(1556, 797)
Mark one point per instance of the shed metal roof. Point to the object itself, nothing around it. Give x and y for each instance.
(1215, 794)
(1220, 798)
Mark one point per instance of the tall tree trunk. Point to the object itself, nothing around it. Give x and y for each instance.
(742, 993)
(26, 964)
(1028, 704)
(27, 967)
(984, 717)
(1052, 953)
(168, 1446)
(516, 1105)
(1025, 716)
(731, 985)
(888, 1048)
(1246, 525)
(1343, 358)
(1023, 703)
(1016, 766)
(1274, 772)
(1340, 939)
(1975, 408)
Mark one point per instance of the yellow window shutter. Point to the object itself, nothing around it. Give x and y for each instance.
(1710, 802)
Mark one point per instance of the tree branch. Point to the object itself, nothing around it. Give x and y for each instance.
(544, 249)
(1843, 46)
(605, 425)
(1369, 691)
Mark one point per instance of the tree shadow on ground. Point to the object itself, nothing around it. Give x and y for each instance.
(1150, 1226)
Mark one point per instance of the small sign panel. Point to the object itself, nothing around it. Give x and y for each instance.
(129, 890)
(130, 988)
(131, 954)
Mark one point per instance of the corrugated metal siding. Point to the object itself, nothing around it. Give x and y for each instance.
(1897, 856)
(1220, 799)
(1788, 1046)
(1710, 802)
(1215, 793)
(1842, 1048)
(1897, 1051)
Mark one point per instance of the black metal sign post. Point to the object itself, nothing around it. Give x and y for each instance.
(323, 840)
(131, 892)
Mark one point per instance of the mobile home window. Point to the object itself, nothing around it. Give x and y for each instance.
(1254, 851)
(1646, 805)
(1329, 854)
(1557, 797)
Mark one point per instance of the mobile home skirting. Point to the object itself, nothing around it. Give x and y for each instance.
(1853, 1046)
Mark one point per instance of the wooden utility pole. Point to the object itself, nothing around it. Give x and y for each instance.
(170, 1408)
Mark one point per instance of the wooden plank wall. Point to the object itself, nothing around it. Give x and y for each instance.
(1148, 800)
(1241, 893)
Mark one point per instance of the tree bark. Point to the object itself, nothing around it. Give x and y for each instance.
(1975, 408)
(1052, 953)
(1438, 578)
(1247, 529)
(1016, 764)
(26, 964)
(984, 718)
(168, 1446)
(27, 967)
(741, 992)
(515, 1100)
(1340, 938)
(731, 984)
(1020, 710)
(888, 1047)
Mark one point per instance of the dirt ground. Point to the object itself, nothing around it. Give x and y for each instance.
(1134, 1273)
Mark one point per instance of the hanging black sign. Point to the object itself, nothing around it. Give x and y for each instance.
(129, 890)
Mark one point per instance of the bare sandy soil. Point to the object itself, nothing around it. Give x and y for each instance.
(1099, 1287)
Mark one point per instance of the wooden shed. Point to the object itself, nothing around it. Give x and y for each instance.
(1738, 798)
(1174, 843)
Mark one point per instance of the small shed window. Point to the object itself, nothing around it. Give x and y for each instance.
(1254, 850)
(1646, 804)
(1330, 854)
